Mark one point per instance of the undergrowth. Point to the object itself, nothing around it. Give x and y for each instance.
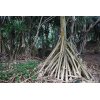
(19, 72)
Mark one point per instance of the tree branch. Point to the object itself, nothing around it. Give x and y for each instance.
(92, 25)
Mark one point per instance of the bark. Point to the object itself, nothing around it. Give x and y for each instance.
(63, 26)
(0, 44)
(72, 26)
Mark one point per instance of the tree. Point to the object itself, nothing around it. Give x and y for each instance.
(63, 63)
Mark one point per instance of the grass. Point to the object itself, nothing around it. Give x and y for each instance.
(19, 72)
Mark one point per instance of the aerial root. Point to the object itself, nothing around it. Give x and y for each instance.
(63, 64)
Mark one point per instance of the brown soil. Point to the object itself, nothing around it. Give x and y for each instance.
(93, 64)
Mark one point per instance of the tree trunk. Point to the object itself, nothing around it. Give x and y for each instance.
(0, 44)
(63, 26)
(72, 26)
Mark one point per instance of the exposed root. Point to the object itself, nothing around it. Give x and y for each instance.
(63, 64)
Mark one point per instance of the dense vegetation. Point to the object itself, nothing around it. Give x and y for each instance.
(25, 40)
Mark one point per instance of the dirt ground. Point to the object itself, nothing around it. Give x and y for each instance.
(93, 64)
(92, 61)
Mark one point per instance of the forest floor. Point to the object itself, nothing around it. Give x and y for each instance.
(93, 64)
(92, 61)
